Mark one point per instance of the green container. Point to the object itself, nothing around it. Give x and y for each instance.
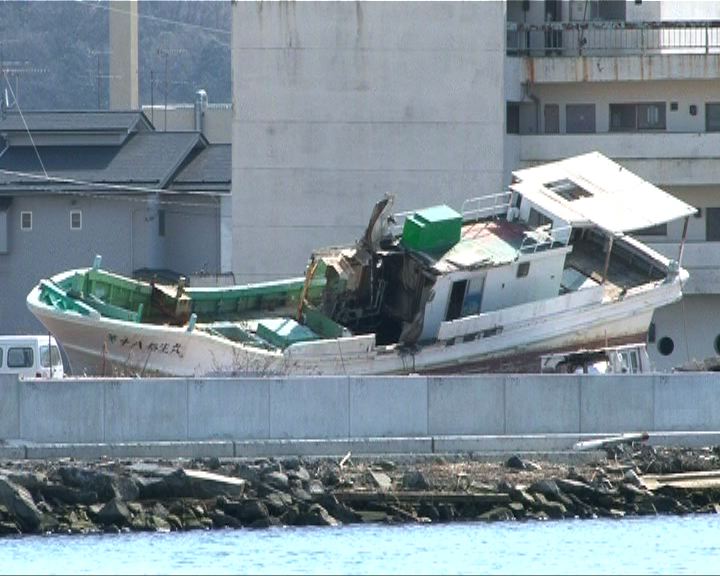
(433, 229)
(282, 332)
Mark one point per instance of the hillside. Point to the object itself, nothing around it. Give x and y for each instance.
(54, 52)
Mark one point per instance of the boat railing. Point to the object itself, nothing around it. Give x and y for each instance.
(484, 206)
(544, 237)
(471, 209)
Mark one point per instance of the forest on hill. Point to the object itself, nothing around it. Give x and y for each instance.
(55, 55)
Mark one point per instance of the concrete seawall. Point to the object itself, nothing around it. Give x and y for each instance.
(254, 416)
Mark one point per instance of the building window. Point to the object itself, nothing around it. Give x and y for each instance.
(25, 220)
(161, 223)
(75, 219)
(637, 116)
(657, 230)
(552, 119)
(712, 116)
(513, 118)
(712, 224)
(523, 269)
(580, 118)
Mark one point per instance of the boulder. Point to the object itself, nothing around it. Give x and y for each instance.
(300, 494)
(515, 463)
(67, 495)
(115, 512)
(299, 473)
(291, 463)
(20, 505)
(8, 528)
(499, 513)
(551, 508)
(316, 515)
(415, 480)
(547, 487)
(247, 511)
(277, 479)
(276, 504)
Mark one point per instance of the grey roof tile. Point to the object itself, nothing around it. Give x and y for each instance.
(74, 121)
(146, 159)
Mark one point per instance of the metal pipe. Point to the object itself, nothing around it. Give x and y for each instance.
(682, 240)
(607, 259)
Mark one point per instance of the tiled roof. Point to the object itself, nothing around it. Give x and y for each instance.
(147, 159)
(74, 121)
(209, 170)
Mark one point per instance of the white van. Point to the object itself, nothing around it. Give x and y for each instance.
(31, 356)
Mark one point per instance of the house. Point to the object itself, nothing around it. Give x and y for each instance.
(74, 184)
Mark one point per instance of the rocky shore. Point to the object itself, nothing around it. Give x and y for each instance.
(68, 496)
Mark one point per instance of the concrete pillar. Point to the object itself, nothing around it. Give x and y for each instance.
(123, 20)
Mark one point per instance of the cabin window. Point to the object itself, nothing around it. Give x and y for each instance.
(666, 346)
(473, 298)
(580, 118)
(161, 223)
(716, 344)
(457, 295)
(567, 189)
(637, 116)
(25, 220)
(537, 219)
(657, 230)
(712, 224)
(19, 357)
(523, 269)
(75, 219)
(712, 117)
(1, 357)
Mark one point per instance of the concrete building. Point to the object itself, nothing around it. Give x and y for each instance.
(337, 103)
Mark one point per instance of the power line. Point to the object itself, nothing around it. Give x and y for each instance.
(103, 185)
(120, 187)
(105, 6)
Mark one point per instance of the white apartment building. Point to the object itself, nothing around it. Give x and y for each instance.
(640, 82)
(337, 103)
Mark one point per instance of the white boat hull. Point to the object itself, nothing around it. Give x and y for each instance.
(101, 346)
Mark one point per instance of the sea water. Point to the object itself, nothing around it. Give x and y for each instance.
(647, 545)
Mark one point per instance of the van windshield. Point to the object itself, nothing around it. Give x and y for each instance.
(44, 357)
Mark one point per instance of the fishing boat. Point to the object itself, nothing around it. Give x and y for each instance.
(546, 265)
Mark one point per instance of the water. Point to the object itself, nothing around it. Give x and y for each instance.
(649, 545)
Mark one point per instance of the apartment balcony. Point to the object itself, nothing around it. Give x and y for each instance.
(560, 52)
(665, 158)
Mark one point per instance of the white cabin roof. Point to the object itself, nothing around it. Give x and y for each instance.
(592, 189)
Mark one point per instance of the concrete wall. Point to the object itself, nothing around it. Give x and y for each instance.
(341, 408)
(337, 103)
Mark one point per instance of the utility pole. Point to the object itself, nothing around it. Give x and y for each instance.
(99, 76)
(166, 53)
